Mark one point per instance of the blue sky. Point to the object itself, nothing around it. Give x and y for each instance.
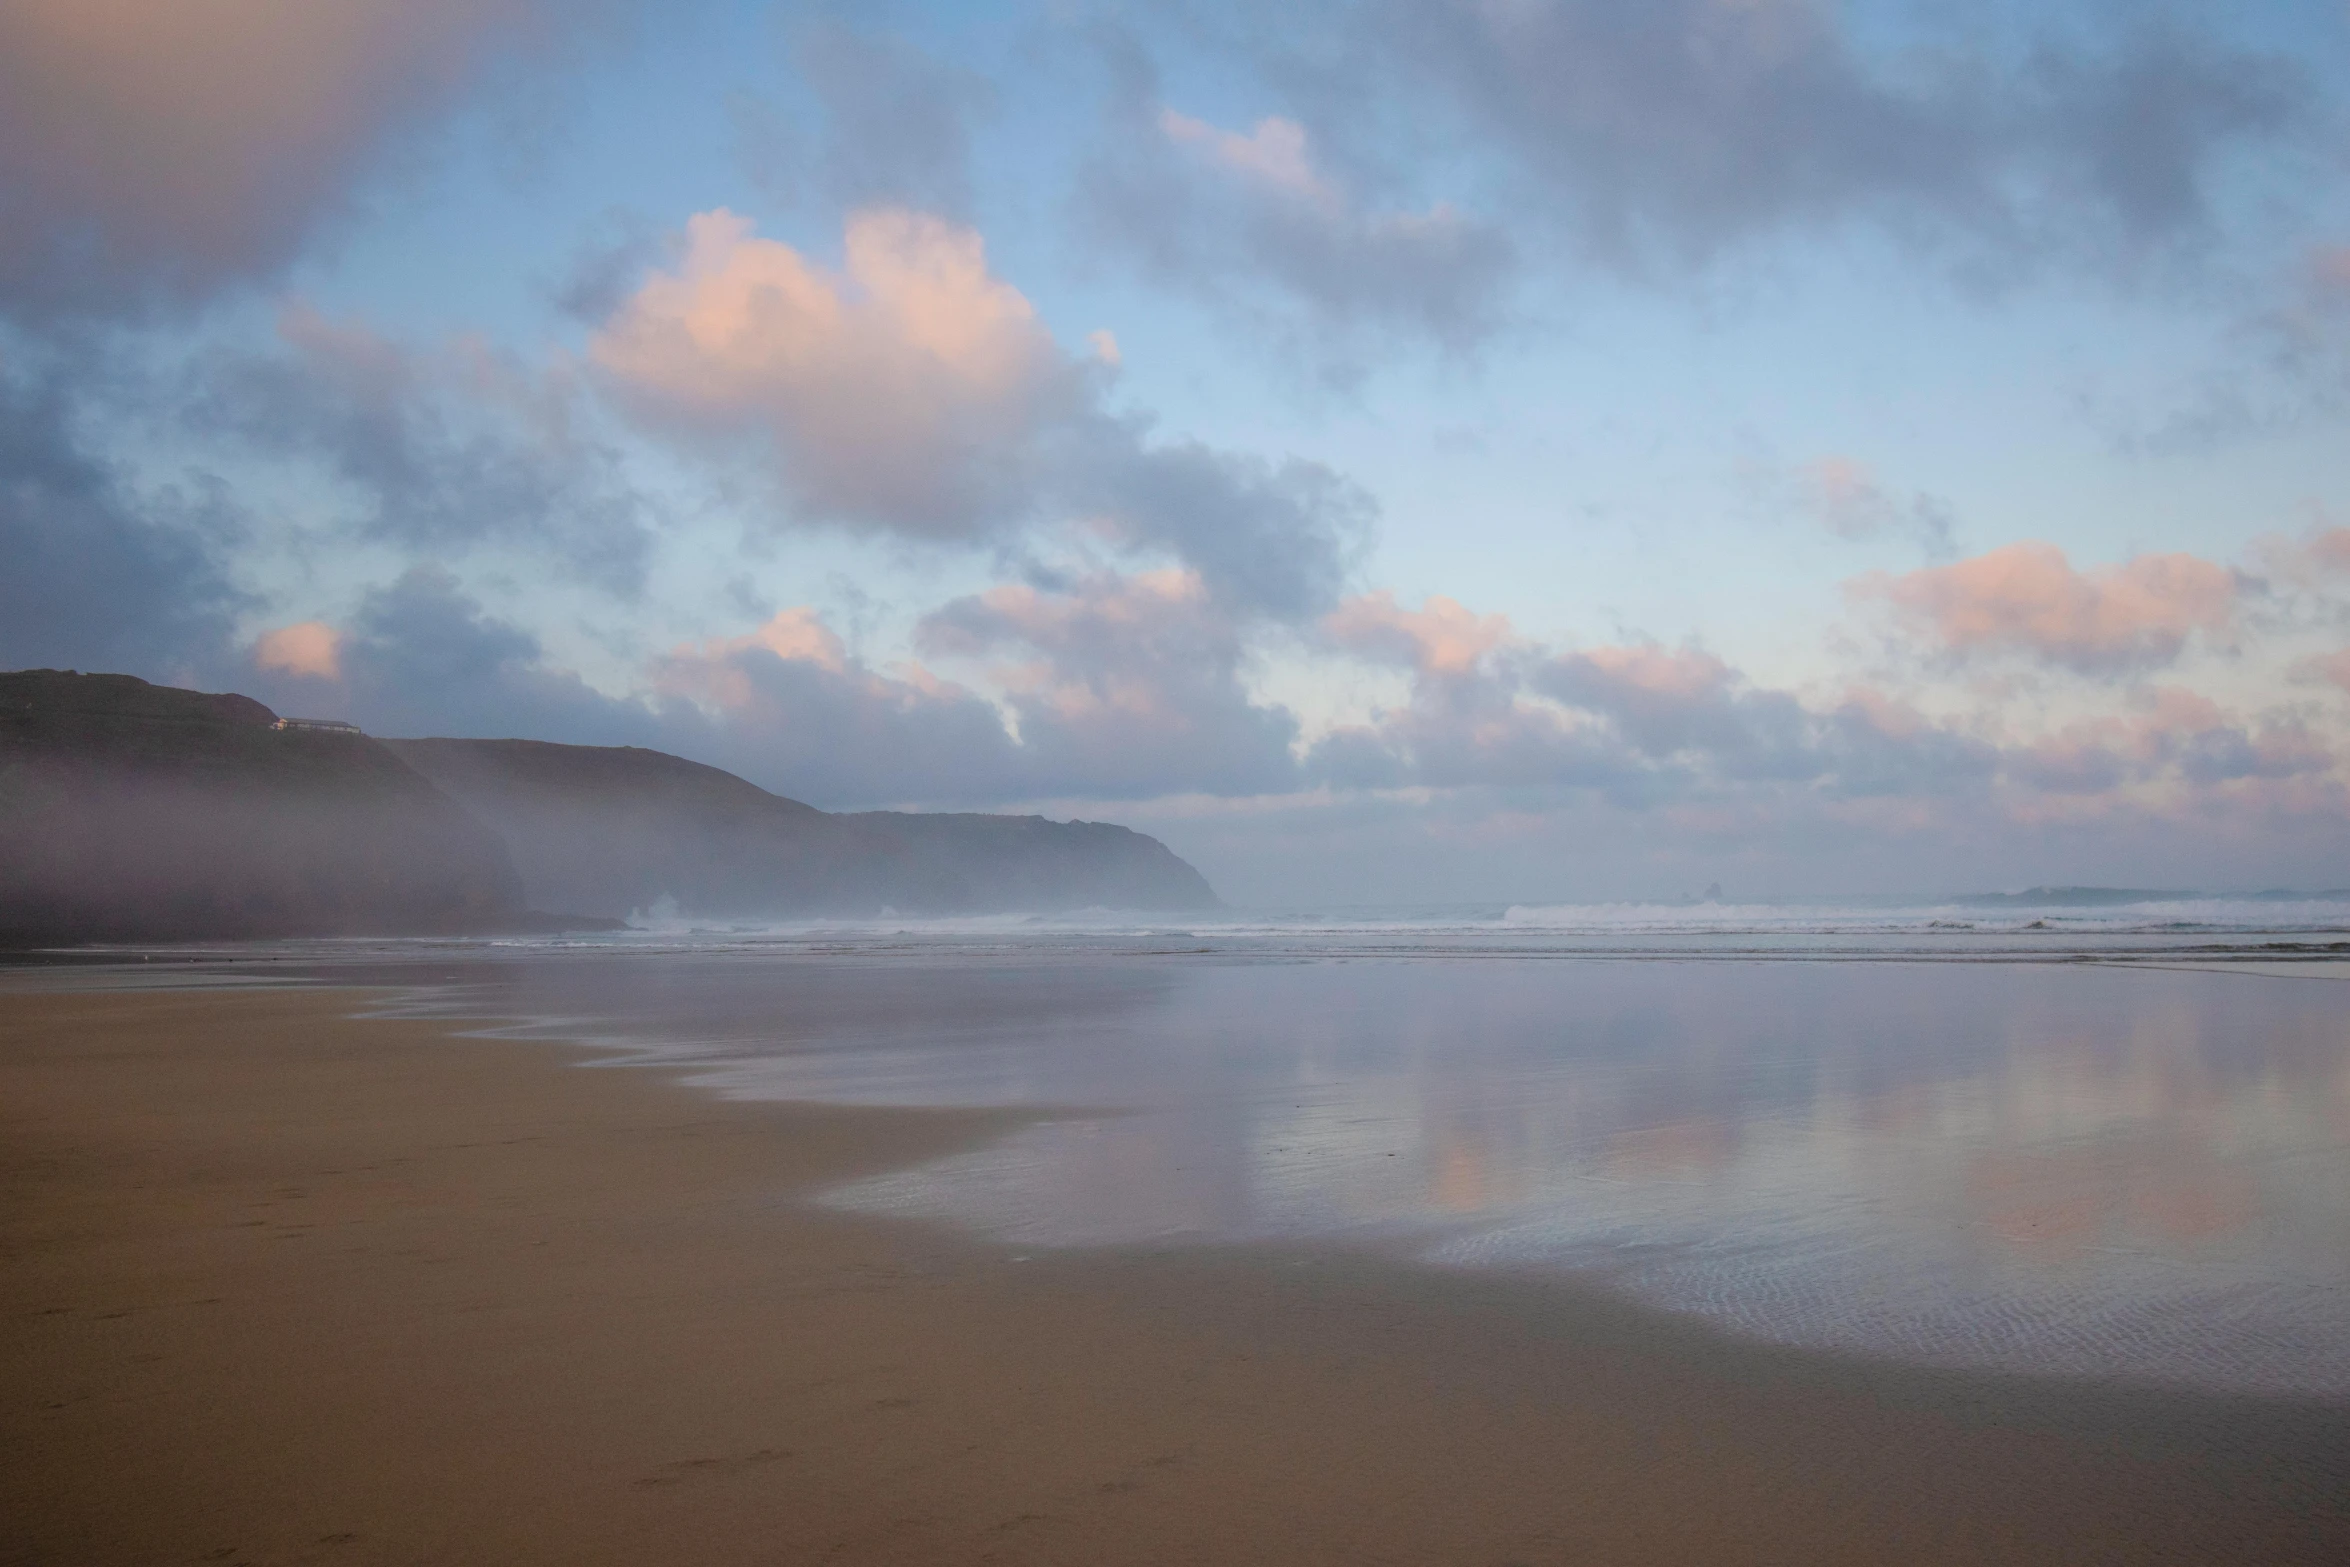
(1529, 449)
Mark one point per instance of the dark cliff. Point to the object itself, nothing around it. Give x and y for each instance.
(960, 862)
(610, 830)
(130, 812)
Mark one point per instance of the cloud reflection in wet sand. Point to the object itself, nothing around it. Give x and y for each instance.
(2067, 1168)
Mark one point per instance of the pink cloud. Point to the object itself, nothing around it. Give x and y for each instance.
(1685, 673)
(1847, 496)
(184, 146)
(2331, 549)
(710, 672)
(1885, 713)
(1440, 637)
(2175, 735)
(900, 390)
(2333, 668)
(1274, 152)
(713, 673)
(309, 648)
(2027, 598)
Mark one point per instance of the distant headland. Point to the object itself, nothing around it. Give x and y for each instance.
(137, 812)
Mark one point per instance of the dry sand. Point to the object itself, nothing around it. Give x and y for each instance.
(285, 1287)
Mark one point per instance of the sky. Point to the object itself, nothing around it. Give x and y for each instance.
(1506, 450)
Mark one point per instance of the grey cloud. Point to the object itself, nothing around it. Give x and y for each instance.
(2231, 751)
(606, 265)
(899, 128)
(424, 658)
(1868, 760)
(1746, 733)
(96, 572)
(1690, 122)
(846, 737)
(1193, 220)
(1665, 134)
(2283, 363)
(1269, 538)
(1469, 730)
(2134, 131)
(1124, 688)
(768, 147)
(1640, 726)
(2202, 746)
(1846, 499)
(443, 451)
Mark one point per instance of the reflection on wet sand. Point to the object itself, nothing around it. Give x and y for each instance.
(2074, 1169)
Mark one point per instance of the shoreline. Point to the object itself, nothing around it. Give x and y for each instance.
(290, 1285)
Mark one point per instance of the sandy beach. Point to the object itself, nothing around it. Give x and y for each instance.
(284, 1286)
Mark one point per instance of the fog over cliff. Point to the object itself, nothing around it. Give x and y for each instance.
(130, 811)
(612, 829)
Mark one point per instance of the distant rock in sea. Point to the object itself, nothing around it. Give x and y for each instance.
(615, 829)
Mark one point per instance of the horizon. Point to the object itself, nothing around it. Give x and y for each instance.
(1386, 454)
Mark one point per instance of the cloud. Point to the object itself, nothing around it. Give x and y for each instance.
(2133, 131)
(444, 450)
(1489, 708)
(2306, 571)
(2307, 336)
(1681, 702)
(2026, 598)
(1613, 713)
(96, 570)
(153, 155)
(1439, 638)
(903, 391)
(1274, 152)
(784, 705)
(2177, 733)
(1667, 134)
(2332, 668)
(1251, 222)
(2330, 549)
(2282, 362)
(310, 648)
(910, 392)
(1639, 724)
(1123, 686)
(1686, 738)
(789, 707)
(422, 657)
(900, 120)
(1268, 538)
(1850, 502)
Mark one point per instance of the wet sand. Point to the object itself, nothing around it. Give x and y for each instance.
(281, 1286)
